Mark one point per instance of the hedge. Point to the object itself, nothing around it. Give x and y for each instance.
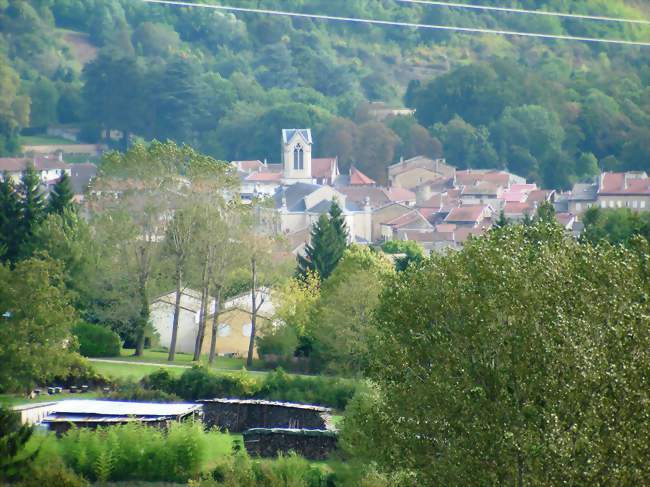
(97, 340)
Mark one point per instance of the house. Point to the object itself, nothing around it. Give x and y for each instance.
(297, 163)
(469, 216)
(472, 177)
(49, 168)
(299, 206)
(414, 220)
(234, 323)
(383, 215)
(162, 318)
(612, 190)
(414, 172)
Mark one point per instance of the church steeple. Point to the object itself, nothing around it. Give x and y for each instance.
(296, 155)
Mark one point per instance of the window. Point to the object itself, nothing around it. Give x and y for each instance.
(224, 330)
(619, 203)
(603, 204)
(611, 204)
(642, 204)
(578, 207)
(247, 329)
(298, 158)
(635, 204)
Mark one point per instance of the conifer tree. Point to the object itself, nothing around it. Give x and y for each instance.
(61, 195)
(328, 243)
(502, 221)
(9, 220)
(32, 209)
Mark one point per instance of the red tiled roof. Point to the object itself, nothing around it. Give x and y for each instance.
(323, 168)
(538, 195)
(406, 218)
(466, 214)
(516, 208)
(357, 178)
(400, 194)
(565, 218)
(462, 234)
(445, 227)
(14, 164)
(624, 183)
(265, 177)
(358, 194)
(419, 235)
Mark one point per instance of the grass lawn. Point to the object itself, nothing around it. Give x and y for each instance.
(129, 370)
(160, 357)
(44, 140)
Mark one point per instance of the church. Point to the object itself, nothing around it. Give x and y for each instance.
(302, 188)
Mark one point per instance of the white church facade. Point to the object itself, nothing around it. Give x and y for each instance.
(302, 188)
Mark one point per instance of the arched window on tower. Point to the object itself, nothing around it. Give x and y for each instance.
(298, 158)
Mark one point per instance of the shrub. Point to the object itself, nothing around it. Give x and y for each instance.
(279, 342)
(136, 452)
(132, 391)
(97, 340)
(199, 383)
(80, 372)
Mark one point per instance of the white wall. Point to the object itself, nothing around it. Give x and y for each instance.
(162, 318)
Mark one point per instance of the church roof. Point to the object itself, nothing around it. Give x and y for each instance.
(323, 168)
(287, 135)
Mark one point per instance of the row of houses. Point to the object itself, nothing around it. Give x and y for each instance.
(50, 168)
(426, 199)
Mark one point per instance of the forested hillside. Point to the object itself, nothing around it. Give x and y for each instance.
(553, 111)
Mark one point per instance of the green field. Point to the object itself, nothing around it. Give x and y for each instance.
(160, 357)
(130, 370)
(44, 140)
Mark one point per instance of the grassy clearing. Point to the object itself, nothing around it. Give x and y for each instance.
(130, 371)
(44, 140)
(160, 357)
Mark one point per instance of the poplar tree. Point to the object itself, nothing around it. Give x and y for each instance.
(61, 195)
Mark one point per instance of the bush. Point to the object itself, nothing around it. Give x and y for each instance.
(136, 452)
(279, 342)
(80, 372)
(199, 383)
(97, 340)
(131, 391)
(239, 471)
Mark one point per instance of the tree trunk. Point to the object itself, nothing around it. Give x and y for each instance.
(251, 343)
(177, 311)
(143, 319)
(215, 326)
(200, 335)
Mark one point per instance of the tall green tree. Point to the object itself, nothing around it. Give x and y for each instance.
(328, 243)
(13, 440)
(61, 195)
(9, 220)
(524, 359)
(32, 210)
(36, 318)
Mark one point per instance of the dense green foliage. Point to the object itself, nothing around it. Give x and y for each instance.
(413, 252)
(36, 318)
(13, 440)
(96, 340)
(523, 359)
(198, 383)
(136, 452)
(616, 226)
(61, 195)
(552, 111)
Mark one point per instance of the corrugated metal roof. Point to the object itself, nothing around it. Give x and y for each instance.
(122, 408)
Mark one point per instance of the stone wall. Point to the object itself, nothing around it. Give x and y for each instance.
(311, 444)
(237, 415)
